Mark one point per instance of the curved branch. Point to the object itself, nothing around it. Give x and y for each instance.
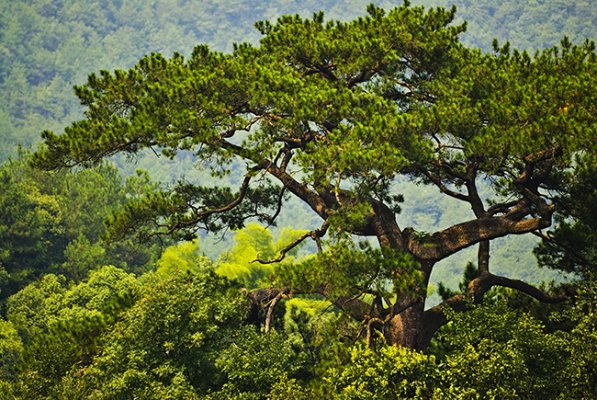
(262, 295)
(300, 190)
(258, 297)
(272, 219)
(314, 234)
(435, 317)
(529, 290)
(501, 207)
(457, 237)
(435, 179)
(401, 306)
(206, 213)
(353, 306)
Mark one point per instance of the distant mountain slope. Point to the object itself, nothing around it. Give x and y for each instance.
(46, 46)
(530, 25)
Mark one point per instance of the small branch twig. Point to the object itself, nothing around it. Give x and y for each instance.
(314, 234)
(272, 219)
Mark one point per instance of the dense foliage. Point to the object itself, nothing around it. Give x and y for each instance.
(98, 301)
(181, 334)
(54, 222)
(46, 47)
(333, 113)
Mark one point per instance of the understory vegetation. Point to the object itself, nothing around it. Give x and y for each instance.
(185, 331)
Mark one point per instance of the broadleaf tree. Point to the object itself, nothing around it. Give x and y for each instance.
(333, 113)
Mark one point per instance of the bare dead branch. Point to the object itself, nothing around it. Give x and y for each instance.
(270, 310)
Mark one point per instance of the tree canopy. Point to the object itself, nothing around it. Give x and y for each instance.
(47, 47)
(379, 147)
(64, 44)
(333, 112)
(179, 333)
(54, 222)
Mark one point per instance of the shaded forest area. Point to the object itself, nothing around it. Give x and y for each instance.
(96, 305)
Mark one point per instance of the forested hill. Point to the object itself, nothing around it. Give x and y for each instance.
(46, 46)
(529, 25)
(152, 248)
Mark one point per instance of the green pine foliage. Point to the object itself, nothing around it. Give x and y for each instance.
(54, 222)
(46, 48)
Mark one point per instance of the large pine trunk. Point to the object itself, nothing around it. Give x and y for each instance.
(408, 328)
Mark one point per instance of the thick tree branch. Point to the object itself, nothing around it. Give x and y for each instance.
(455, 238)
(300, 190)
(401, 305)
(477, 288)
(530, 161)
(386, 228)
(501, 208)
(527, 289)
(473, 193)
(353, 306)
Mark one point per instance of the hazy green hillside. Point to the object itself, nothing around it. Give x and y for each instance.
(531, 24)
(46, 47)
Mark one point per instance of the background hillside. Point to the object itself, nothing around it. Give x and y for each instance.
(48, 46)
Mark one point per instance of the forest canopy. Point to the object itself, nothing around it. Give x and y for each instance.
(106, 292)
(67, 40)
